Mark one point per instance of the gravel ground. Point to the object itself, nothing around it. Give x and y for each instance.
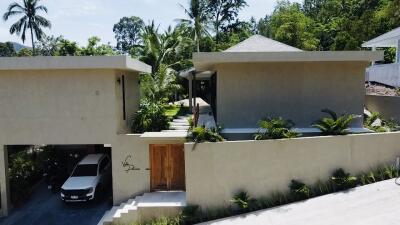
(377, 89)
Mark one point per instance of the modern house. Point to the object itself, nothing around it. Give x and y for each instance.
(387, 74)
(89, 100)
(261, 77)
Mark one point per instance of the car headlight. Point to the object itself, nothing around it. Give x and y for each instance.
(90, 190)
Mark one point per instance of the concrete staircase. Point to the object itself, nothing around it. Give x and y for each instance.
(180, 124)
(145, 207)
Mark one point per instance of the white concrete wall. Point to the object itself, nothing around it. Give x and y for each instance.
(127, 184)
(387, 106)
(57, 107)
(388, 74)
(248, 92)
(215, 171)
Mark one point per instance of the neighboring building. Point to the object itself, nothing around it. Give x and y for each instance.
(261, 77)
(387, 74)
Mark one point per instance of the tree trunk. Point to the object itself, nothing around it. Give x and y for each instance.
(33, 43)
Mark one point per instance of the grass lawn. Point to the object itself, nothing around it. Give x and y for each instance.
(173, 111)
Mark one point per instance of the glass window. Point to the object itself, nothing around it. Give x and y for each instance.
(85, 170)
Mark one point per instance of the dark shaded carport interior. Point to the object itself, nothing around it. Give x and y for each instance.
(44, 206)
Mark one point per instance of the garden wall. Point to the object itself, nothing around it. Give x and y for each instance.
(387, 106)
(215, 171)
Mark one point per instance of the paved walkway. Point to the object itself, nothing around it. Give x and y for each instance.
(375, 204)
(46, 208)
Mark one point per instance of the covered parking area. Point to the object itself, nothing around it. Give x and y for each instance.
(44, 205)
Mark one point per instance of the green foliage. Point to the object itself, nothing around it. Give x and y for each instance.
(334, 125)
(203, 134)
(30, 19)
(160, 86)
(150, 117)
(299, 190)
(386, 125)
(197, 19)
(94, 48)
(289, 25)
(242, 201)
(25, 169)
(127, 33)
(7, 50)
(68, 48)
(48, 46)
(342, 180)
(25, 52)
(223, 13)
(275, 128)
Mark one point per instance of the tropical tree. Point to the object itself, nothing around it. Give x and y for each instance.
(68, 48)
(223, 12)
(159, 86)
(95, 48)
(48, 46)
(128, 33)
(7, 49)
(289, 25)
(29, 20)
(198, 19)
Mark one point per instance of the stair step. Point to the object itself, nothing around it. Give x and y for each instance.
(178, 124)
(179, 127)
(180, 120)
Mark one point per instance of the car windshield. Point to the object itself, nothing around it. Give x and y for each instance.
(85, 170)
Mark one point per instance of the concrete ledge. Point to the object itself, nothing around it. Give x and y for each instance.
(73, 62)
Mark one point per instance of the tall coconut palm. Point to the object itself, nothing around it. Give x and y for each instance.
(197, 18)
(29, 20)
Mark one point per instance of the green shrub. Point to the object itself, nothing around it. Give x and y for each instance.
(242, 201)
(299, 190)
(202, 134)
(149, 117)
(275, 128)
(334, 125)
(342, 180)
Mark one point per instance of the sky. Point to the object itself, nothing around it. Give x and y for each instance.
(78, 20)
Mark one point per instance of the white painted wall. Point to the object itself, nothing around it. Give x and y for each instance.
(216, 171)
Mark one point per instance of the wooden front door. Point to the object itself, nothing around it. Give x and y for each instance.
(167, 167)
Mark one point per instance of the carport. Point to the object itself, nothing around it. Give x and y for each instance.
(45, 206)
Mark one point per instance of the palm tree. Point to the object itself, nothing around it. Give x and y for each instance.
(198, 19)
(29, 19)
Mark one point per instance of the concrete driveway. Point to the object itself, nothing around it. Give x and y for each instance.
(46, 208)
(375, 204)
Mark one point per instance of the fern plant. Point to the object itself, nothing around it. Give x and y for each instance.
(203, 134)
(275, 128)
(242, 200)
(343, 180)
(334, 125)
(299, 190)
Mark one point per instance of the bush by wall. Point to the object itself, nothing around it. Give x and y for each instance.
(242, 202)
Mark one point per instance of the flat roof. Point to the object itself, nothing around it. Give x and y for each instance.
(206, 60)
(73, 62)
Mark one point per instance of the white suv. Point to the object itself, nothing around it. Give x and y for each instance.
(88, 179)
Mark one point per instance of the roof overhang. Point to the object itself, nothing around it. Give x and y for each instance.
(389, 39)
(205, 61)
(73, 62)
(200, 75)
